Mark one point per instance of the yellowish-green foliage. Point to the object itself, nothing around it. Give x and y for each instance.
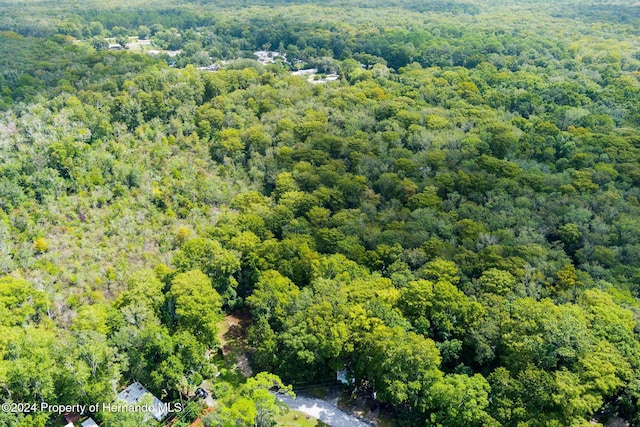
(183, 233)
(40, 245)
(197, 305)
(20, 302)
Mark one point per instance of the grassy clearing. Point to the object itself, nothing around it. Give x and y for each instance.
(299, 419)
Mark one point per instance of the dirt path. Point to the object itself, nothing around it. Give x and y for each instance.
(233, 338)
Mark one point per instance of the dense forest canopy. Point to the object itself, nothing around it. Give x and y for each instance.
(454, 219)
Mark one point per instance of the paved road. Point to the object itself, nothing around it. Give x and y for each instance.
(323, 411)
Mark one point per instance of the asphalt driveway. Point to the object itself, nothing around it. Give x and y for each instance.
(323, 411)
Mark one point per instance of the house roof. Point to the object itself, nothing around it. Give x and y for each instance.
(134, 393)
(89, 423)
